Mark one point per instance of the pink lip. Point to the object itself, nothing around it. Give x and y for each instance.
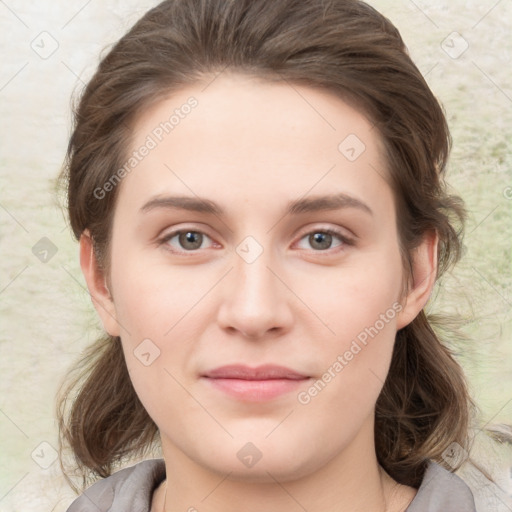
(254, 384)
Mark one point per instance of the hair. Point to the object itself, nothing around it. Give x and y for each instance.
(344, 47)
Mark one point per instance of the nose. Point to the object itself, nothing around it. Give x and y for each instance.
(256, 300)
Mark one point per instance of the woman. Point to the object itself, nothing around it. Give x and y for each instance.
(257, 187)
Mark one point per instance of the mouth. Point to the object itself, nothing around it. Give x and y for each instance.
(254, 384)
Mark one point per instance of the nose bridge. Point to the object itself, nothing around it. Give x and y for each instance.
(256, 300)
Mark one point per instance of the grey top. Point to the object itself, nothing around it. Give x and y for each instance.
(131, 490)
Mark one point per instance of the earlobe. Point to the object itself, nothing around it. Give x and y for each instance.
(96, 284)
(424, 273)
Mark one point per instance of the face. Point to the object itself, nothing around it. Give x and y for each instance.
(256, 276)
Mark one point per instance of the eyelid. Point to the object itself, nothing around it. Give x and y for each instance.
(178, 228)
(329, 228)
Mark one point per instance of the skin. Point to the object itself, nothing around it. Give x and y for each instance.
(252, 147)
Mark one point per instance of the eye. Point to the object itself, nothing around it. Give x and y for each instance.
(322, 239)
(187, 239)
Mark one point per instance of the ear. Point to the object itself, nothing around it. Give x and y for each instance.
(424, 271)
(96, 283)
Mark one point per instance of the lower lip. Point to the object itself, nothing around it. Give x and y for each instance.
(255, 390)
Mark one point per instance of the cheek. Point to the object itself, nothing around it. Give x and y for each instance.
(352, 297)
(159, 309)
(155, 338)
(355, 367)
(360, 308)
(151, 299)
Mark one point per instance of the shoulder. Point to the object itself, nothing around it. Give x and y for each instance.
(130, 489)
(442, 491)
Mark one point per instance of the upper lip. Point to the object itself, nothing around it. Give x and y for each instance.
(264, 372)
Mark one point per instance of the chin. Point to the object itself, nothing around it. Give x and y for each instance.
(282, 469)
(263, 461)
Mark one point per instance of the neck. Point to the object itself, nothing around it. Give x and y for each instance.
(351, 481)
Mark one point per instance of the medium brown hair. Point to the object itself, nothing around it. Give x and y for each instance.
(341, 46)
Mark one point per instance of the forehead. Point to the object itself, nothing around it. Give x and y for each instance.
(259, 140)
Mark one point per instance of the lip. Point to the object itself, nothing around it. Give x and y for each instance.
(254, 384)
(264, 372)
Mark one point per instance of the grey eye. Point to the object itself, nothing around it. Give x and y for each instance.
(324, 239)
(320, 240)
(190, 240)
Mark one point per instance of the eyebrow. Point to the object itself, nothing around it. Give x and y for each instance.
(298, 206)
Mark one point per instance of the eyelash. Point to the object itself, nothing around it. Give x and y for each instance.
(345, 241)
